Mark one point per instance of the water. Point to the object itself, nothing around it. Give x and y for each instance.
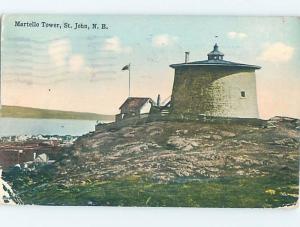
(28, 126)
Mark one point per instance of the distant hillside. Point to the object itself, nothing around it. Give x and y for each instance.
(28, 112)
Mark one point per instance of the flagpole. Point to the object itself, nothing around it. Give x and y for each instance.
(127, 67)
(129, 81)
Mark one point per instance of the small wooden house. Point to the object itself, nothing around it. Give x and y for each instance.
(134, 106)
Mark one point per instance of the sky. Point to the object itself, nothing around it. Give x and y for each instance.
(80, 69)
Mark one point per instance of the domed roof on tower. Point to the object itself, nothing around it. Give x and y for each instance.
(215, 54)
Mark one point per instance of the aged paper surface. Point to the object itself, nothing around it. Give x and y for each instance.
(176, 111)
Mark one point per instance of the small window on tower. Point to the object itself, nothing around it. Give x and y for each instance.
(243, 94)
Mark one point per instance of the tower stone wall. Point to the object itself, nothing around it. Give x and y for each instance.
(215, 91)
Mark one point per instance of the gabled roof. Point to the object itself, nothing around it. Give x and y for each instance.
(135, 103)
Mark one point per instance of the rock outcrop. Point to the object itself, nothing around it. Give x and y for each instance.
(168, 150)
(7, 195)
(167, 162)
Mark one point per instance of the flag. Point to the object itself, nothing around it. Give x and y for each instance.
(126, 67)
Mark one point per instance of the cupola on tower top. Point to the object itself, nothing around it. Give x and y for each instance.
(215, 54)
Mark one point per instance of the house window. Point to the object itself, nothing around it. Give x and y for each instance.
(243, 94)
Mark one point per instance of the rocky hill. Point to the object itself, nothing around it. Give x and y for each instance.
(174, 163)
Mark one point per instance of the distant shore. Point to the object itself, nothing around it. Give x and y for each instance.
(29, 112)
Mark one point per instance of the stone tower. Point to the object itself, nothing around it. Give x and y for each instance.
(215, 87)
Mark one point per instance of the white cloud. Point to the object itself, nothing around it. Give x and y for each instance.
(58, 51)
(114, 44)
(163, 40)
(76, 63)
(237, 35)
(277, 52)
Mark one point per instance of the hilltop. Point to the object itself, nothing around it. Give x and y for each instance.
(173, 163)
(29, 112)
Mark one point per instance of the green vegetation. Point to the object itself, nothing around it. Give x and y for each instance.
(171, 163)
(28, 112)
(265, 191)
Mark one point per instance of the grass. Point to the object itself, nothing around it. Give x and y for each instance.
(264, 191)
(28, 112)
(276, 186)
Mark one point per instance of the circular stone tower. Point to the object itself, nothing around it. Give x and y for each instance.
(215, 87)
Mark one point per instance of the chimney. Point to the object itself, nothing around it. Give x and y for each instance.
(158, 100)
(186, 57)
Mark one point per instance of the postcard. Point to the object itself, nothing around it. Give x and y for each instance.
(150, 111)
